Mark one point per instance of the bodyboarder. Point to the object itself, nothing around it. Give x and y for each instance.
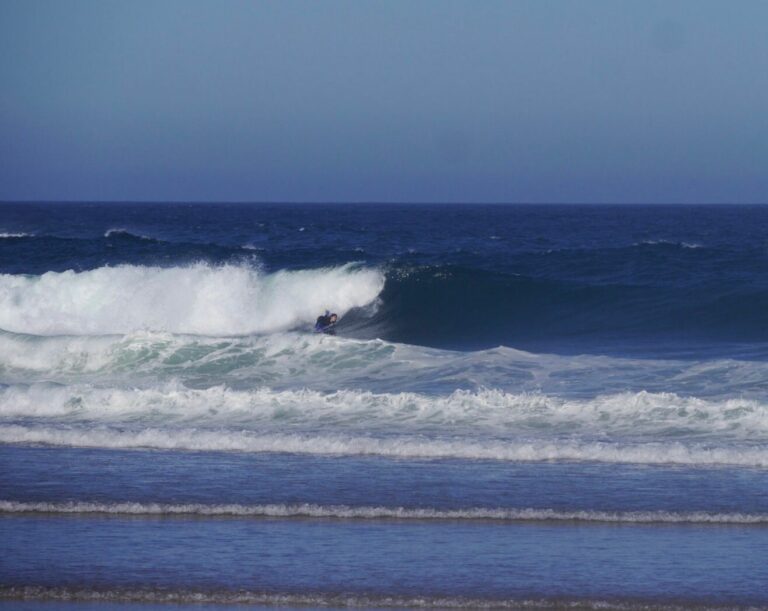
(326, 323)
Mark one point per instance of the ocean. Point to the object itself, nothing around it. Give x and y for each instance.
(523, 406)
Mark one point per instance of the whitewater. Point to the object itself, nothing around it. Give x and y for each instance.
(501, 379)
(205, 300)
(226, 361)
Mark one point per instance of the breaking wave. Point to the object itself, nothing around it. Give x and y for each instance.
(443, 306)
(197, 299)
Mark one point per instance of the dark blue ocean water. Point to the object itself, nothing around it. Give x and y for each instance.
(522, 405)
(618, 278)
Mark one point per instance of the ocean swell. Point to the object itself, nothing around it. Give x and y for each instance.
(443, 306)
(450, 306)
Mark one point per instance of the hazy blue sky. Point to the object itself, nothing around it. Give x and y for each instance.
(519, 101)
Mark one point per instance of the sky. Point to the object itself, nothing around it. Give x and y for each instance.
(604, 101)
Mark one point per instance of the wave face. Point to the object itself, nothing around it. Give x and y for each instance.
(460, 307)
(445, 306)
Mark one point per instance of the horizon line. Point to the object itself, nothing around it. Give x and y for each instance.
(369, 202)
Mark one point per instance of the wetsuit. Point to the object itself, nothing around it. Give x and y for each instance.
(324, 324)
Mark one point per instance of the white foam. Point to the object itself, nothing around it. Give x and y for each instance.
(193, 439)
(348, 512)
(198, 299)
(120, 231)
(320, 600)
(4, 235)
(669, 243)
(297, 358)
(300, 359)
(629, 416)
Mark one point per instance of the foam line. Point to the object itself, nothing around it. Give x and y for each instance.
(652, 453)
(639, 415)
(333, 600)
(346, 512)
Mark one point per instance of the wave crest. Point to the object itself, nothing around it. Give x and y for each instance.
(198, 299)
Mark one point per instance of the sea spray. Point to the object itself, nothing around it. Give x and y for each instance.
(199, 299)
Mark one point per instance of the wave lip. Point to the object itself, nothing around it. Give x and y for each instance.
(346, 512)
(198, 299)
(120, 232)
